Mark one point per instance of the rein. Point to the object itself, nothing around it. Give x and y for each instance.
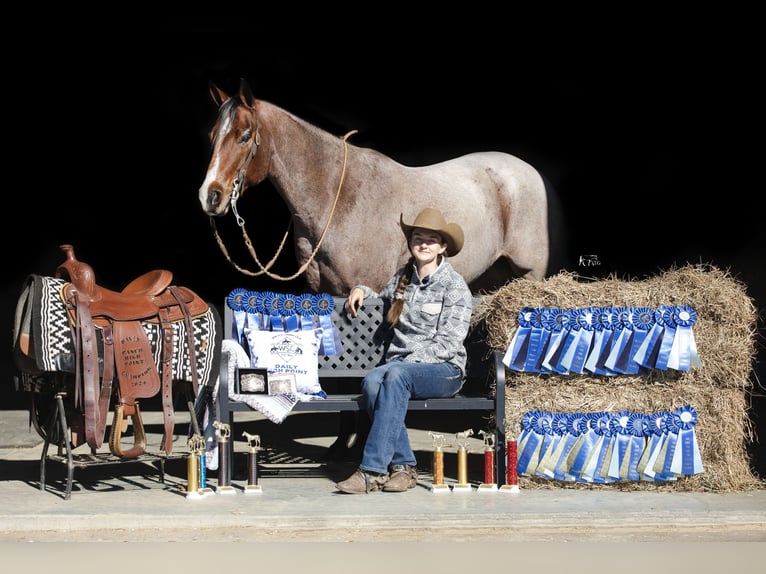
(238, 184)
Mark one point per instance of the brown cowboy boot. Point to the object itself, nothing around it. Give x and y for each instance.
(362, 482)
(403, 477)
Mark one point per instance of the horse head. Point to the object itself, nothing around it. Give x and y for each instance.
(235, 162)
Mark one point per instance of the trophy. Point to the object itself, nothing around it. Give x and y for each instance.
(438, 464)
(489, 484)
(512, 474)
(192, 470)
(195, 469)
(254, 445)
(462, 462)
(223, 431)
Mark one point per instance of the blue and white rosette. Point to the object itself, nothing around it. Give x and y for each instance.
(569, 342)
(288, 309)
(271, 310)
(570, 431)
(642, 319)
(617, 361)
(550, 457)
(647, 353)
(583, 449)
(236, 302)
(530, 442)
(545, 423)
(656, 432)
(604, 317)
(621, 445)
(601, 338)
(597, 467)
(516, 355)
(683, 353)
(330, 339)
(686, 457)
(668, 337)
(257, 310)
(574, 359)
(555, 321)
(538, 342)
(638, 427)
(306, 307)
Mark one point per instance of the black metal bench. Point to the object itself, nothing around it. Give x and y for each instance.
(484, 389)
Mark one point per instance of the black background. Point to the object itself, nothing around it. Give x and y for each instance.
(646, 124)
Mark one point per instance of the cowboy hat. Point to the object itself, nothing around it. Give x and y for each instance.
(433, 220)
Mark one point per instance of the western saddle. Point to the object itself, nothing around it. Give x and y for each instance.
(120, 316)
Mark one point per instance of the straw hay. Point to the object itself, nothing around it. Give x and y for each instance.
(725, 333)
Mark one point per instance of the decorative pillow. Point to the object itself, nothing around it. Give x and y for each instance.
(282, 352)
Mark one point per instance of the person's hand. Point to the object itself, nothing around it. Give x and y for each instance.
(354, 301)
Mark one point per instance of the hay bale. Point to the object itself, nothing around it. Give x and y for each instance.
(725, 333)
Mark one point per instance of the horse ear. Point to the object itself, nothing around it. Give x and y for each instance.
(245, 93)
(218, 95)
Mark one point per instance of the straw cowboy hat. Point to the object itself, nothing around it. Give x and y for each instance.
(433, 220)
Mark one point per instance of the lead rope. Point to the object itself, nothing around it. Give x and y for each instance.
(251, 249)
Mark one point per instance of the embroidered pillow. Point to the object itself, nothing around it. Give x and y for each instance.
(293, 352)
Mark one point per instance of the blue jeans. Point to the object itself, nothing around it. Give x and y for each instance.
(385, 391)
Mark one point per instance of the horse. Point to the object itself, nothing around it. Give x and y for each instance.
(346, 201)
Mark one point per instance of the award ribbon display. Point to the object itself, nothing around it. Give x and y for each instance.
(603, 447)
(270, 311)
(603, 340)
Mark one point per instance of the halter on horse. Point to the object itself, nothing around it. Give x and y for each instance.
(345, 201)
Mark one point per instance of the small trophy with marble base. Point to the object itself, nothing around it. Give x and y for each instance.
(254, 445)
(462, 484)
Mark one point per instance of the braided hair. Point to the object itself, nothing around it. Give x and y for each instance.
(398, 305)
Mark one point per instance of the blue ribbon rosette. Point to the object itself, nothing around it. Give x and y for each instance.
(601, 336)
(621, 443)
(515, 356)
(642, 319)
(617, 361)
(236, 302)
(569, 342)
(656, 433)
(571, 431)
(596, 467)
(604, 318)
(555, 321)
(586, 321)
(583, 448)
(686, 457)
(306, 307)
(288, 309)
(271, 311)
(545, 423)
(538, 341)
(530, 442)
(330, 340)
(683, 353)
(668, 337)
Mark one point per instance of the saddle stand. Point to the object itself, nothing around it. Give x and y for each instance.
(116, 320)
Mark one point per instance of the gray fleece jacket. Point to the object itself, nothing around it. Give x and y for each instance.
(435, 320)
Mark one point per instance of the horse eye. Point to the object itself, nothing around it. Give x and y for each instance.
(245, 137)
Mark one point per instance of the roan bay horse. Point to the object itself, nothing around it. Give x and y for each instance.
(345, 201)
